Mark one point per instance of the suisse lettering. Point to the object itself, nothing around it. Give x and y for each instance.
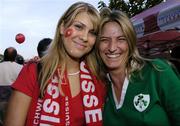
(89, 99)
(50, 105)
(95, 115)
(88, 86)
(53, 91)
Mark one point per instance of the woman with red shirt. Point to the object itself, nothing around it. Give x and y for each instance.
(63, 89)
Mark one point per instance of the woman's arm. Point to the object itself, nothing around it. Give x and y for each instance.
(17, 109)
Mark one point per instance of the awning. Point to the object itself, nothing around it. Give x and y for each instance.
(162, 17)
(161, 36)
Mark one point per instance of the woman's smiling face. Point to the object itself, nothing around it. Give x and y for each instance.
(113, 47)
(79, 38)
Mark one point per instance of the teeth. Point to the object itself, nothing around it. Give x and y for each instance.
(113, 55)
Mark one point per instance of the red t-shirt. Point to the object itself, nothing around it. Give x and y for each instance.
(27, 84)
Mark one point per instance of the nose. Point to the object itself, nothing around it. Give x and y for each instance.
(112, 46)
(84, 36)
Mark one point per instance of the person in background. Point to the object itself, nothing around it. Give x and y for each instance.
(43, 46)
(141, 92)
(42, 49)
(19, 59)
(68, 77)
(9, 70)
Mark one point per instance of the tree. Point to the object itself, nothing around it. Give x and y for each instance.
(132, 7)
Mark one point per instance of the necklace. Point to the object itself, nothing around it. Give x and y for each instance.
(75, 73)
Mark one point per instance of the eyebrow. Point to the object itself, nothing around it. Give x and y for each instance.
(121, 36)
(80, 23)
(83, 24)
(104, 37)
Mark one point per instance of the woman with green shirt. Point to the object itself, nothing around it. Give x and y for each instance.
(141, 92)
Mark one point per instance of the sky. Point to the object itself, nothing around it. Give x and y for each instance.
(36, 19)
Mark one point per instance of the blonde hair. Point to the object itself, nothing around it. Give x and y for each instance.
(56, 55)
(134, 61)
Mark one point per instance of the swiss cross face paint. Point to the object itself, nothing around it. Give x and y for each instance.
(68, 32)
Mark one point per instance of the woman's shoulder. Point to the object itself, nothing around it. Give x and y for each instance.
(159, 63)
(30, 64)
(29, 67)
(29, 70)
(27, 79)
(163, 65)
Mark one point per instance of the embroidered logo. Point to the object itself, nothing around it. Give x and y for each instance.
(141, 102)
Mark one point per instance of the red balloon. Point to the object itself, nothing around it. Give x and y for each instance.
(20, 38)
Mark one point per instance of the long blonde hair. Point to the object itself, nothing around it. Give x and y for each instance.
(56, 55)
(134, 61)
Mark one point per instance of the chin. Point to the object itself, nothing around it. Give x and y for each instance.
(112, 67)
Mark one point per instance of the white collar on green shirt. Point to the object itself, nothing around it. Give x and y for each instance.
(123, 92)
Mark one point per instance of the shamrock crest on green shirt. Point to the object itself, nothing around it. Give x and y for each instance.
(141, 102)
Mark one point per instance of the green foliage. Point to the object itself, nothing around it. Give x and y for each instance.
(131, 7)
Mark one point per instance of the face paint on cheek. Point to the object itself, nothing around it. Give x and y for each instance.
(68, 32)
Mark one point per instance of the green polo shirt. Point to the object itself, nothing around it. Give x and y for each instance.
(152, 99)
